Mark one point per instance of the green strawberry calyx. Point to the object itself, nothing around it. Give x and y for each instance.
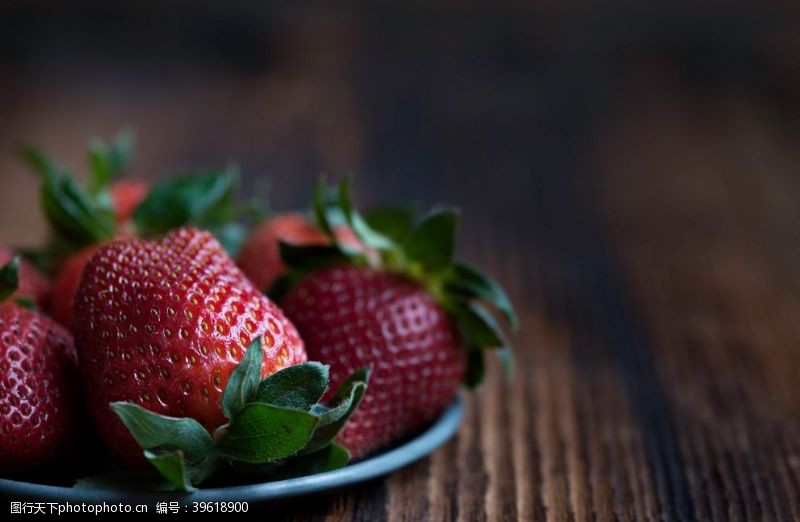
(9, 283)
(277, 428)
(84, 214)
(422, 248)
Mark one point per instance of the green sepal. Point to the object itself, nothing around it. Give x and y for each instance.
(243, 383)
(107, 161)
(172, 466)
(476, 368)
(465, 279)
(298, 387)
(277, 429)
(432, 242)
(78, 216)
(330, 457)
(9, 278)
(344, 402)
(73, 214)
(478, 326)
(38, 161)
(153, 430)
(200, 199)
(261, 433)
(421, 250)
(311, 257)
(370, 237)
(395, 223)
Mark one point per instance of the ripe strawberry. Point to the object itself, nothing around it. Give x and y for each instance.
(65, 285)
(32, 283)
(413, 315)
(38, 385)
(127, 195)
(163, 324)
(260, 257)
(353, 316)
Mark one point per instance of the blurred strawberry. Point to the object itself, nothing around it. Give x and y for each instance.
(65, 285)
(33, 284)
(39, 411)
(260, 257)
(127, 195)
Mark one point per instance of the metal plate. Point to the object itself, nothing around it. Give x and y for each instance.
(376, 466)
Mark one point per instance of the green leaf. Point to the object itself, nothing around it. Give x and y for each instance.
(345, 401)
(319, 207)
(204, 200)
(126, 480)
(395, 223)
(172, 466)
(479, 326)
(432, 242)
(231, 236)
(107, 161)
(310, 257)
(369, 237)
(9, 278)
(261, 433)
(152, 430)
(73, 214)
(329, 458)
(466, 279)
(476, 368)
(243, 384)
(38, 161)
(298, 387)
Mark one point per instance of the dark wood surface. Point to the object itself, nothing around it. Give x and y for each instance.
(632, 177)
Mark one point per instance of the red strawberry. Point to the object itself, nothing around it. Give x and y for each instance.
(38, 388)
(162, 324)
(32, 283)
(65, 285)
(352, 317)
(127, 194)
(260, 257)
(413, 315)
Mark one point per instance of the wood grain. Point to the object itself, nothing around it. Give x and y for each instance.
(640, 206)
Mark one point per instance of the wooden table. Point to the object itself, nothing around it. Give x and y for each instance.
(638, 195)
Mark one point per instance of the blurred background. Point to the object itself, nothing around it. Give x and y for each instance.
(630, 172)
(416, 99)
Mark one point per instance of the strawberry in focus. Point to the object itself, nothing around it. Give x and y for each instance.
(39, 386)
(163, 324)
(411, 311)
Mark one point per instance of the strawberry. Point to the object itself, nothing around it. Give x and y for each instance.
(175, 339)
(127, 195)
(414, 314)
(65, 285)
(38, 384)
(260, 257)
(83, 217)
(164, 323)
(33, 284)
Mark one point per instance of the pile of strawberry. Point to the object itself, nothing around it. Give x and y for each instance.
(145, 324)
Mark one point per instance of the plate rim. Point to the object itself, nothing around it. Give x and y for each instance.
(382, 464)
